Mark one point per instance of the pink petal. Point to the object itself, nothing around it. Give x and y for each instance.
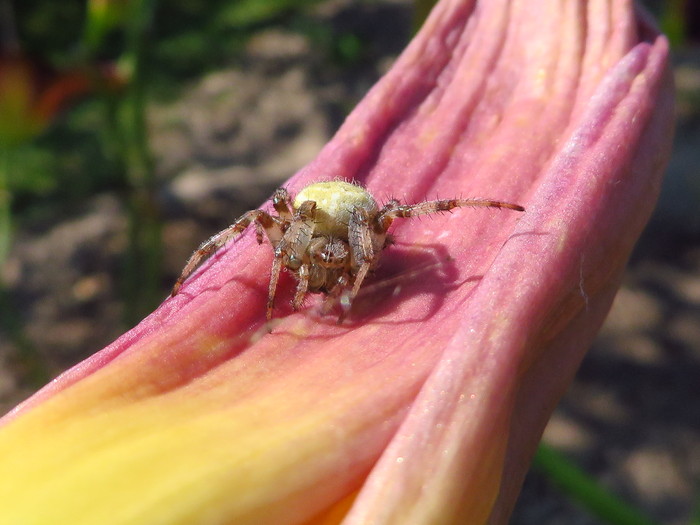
(534, 313)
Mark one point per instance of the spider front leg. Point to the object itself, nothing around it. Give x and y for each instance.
(335, 296)
(303, 275)
(363, 254)
(262, 219)
(290, 252)
(282, 204)
(272, 287)
(393, 209)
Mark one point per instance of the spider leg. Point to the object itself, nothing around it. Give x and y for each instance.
(302, 286)
(340, 286)
(295, 241)
(290, 252)
(259, 232)
(362, 252)
(270, 225)
(394, 210)
(272, 288)
(282, 204)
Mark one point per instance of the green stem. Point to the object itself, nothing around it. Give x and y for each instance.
(34, 370)
(144, 258)
(143, 264)
(595, 498)
(5, 206)
(695, 518)
(140, 163)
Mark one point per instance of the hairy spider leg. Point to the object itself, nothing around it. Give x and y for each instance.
(272, 286)
(302, 286)
(394, 210)
(263, 220)
(334, 294)
(282, 204)
(290, 252)
(362, 252)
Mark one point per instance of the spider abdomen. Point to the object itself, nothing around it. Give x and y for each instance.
(335, 201)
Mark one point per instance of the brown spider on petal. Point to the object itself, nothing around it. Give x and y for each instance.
(329, 237)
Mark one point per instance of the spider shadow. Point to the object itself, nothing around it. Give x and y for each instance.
(405, 271)
(411, 270)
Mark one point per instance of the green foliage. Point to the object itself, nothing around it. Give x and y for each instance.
(673, 22)
(587, 491)
(245, 13)
(42, 26)
(69, 163)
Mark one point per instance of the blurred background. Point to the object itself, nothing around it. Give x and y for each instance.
(131, 130)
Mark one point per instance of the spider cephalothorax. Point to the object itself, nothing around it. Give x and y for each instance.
(329, 237)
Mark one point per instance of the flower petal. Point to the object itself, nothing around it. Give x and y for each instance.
(534, 314)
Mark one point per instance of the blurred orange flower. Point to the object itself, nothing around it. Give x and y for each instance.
(32, 94)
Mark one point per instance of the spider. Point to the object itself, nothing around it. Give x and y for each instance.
(329, 238)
